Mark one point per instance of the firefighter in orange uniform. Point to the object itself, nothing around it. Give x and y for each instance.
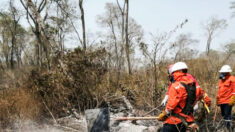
(183, 95)
(184, 68)
(226, 93)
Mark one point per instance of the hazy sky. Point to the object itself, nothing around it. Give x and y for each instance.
(164, 15)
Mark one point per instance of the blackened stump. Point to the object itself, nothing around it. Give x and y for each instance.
(97, 120)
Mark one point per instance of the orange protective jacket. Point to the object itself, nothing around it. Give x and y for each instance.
(188, 75)
(226, 90)
(177, 97)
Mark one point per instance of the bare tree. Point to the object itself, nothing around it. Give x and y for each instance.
(45, 40)
(229, 50)
(60, 22)
(29, 53)
(37, 27)
(212, 27)
(66, 19)
(125, 28)
(156, 55)
(113, 19)
(233, 7)
(83, 24)
(14, 32)
(127, 38)
(122, 10)
(181, 47)
(5, 39)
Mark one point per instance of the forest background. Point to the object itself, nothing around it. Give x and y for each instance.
(53, 60)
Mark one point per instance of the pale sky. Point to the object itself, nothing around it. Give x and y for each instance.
(164, 15)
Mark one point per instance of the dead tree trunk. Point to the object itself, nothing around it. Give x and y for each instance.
(46, 41)
(127, 39)
(13, 41)
(116, 52)
(36, 15)
(208, 45)
(83, 25)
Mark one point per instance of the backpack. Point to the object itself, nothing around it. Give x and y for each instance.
(188, 108)
(191, 97)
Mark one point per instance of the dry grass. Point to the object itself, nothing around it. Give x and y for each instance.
(17, 104)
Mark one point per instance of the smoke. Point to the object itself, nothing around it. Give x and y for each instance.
(30, 126)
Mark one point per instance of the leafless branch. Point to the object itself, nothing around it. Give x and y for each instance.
(42, 5)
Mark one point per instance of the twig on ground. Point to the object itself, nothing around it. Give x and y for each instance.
(50, 112)
(65, 127)
(156, 108)
(207, 129)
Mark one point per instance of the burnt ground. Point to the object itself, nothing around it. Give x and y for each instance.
(102, 119)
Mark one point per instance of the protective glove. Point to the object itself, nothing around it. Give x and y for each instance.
(232, 101)
(162, 116)
(195, 108)
(164, 100)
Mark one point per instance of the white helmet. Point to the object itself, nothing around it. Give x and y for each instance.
(225, 69)
(178, 66)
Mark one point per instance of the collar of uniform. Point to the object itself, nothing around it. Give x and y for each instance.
(178, 75)
(182, 77)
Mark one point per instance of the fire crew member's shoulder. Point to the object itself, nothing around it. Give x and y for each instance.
(232, 78)
(177, 91)
(176, 85)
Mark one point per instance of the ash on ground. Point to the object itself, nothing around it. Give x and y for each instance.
(94, 120)
(121, 107)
